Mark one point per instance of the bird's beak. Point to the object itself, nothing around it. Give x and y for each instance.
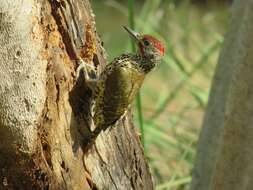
(132, 33)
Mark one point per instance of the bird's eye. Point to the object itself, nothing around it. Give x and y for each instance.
(146, 42)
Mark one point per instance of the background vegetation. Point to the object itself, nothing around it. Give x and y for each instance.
(175, 95)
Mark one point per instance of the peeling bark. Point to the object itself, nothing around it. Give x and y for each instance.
(44, 113)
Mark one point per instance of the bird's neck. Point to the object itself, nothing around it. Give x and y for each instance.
(148, 63)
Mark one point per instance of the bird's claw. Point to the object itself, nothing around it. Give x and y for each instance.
(88, 72)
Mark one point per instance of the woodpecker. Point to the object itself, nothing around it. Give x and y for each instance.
(116, 87)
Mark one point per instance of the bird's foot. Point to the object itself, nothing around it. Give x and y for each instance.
(88, 72)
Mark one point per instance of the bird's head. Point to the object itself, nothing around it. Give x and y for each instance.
(149, 46)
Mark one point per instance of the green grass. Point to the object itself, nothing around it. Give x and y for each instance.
(173, 97)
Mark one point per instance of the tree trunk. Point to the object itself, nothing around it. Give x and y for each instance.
(44, 113)
(224, 155)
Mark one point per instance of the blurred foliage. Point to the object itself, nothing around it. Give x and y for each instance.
(175, 95)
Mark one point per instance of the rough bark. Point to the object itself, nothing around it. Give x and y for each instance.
(45, 111)
(224, 155)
